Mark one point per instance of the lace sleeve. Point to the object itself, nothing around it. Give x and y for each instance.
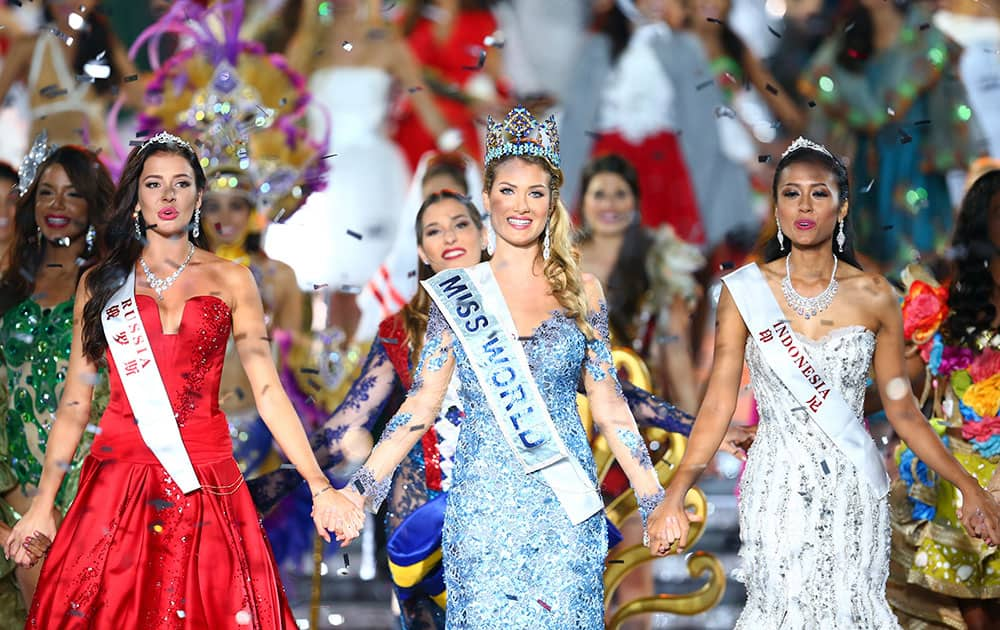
(361, 407)
(651, 411)
(415, 416)
(614, 419)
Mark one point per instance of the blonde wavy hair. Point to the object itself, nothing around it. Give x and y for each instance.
(562, 269)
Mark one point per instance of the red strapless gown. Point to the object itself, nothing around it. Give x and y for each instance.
(135, 553)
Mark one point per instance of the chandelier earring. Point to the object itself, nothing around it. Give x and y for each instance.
(491, 235)
(546, 242)
(196, 231)
(781, 237)
(138, 228)
(841, 237)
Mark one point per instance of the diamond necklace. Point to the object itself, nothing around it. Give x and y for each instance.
(808, 307)
(162, 284)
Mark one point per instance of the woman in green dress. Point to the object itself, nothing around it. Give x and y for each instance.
(57, 236)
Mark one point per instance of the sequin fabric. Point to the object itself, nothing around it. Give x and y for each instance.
(815, 537)
(35, 342)
(512, 557)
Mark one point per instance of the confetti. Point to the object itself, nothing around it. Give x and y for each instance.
(309, 370)
(130, 78)
(886, 228)
(545, 606)
(616, 562)
(411, 273)
(727, 265)
(413, 89)
(52, 91)
(921, 122)
(317, 287)
(512, 598)
(479, 62)
(714, 20)
(704, 84)
(774, 32)
(826, 469)
(904, 138)
(329, 155)
(772, 89)
(160, 504)
(764, 159)
(388, 340)
(812, 103)
(868, 187)
(925, 26)
(348, 46)
(54, 265)
(93, 428)
(849, 27)
(354, 234)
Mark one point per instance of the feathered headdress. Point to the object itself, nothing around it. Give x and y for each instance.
(242, 108)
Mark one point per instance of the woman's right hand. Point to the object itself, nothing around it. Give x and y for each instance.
(669, 523)
(34, 529)
(334, 512)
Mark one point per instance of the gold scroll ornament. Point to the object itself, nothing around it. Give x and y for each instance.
(667, 454)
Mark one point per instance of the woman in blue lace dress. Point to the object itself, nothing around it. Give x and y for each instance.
(524, 536)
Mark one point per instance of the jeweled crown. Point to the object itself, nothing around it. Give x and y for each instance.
(39, 152)
(520, 133)
(803, 143)
(166, 138)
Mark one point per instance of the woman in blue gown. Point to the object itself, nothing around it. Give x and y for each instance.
(524, 539)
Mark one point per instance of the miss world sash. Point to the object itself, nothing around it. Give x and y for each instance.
(144, 387)
(471, 302)
(784, 354)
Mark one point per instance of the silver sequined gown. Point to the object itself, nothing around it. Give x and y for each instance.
(815, 537)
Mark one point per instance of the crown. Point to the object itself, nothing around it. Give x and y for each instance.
(520, 133)
(802, 143)
(166, 138)
(39, 152)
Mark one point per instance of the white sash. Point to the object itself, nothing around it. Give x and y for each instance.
(471, 301)
(784, 354)
(144, 387)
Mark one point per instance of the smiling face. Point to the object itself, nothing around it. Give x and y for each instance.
(808, 205)
(167, 193)
(225, 217)
(60, 209)
(609, 205)
(449, 238)
(519, 202)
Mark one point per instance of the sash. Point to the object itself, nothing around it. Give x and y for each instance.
(144, 387)
(784, 354)
(471, 302)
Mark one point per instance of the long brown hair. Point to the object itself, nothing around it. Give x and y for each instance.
(124, 246)
(92, 181)
(416, 310)
(562, 269)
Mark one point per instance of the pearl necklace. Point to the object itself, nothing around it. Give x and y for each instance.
(162, 284)
(808, 307)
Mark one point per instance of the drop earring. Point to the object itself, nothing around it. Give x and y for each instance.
(546, 250)
(491, 236)
(781, 237)
(91, 235)
(841, 238)
(138, 229)
(197, 222)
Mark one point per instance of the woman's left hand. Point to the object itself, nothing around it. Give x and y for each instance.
(980, 515)
(333, 512)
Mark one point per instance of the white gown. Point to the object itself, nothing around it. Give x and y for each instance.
(815, 536)
(342, 233)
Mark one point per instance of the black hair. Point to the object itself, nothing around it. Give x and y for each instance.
(770, 250)
(970, 299)
(857, 44)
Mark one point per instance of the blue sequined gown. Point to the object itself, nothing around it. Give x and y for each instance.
(512, 558)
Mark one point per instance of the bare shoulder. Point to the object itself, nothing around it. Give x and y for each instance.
(227, 277)
(871, 291)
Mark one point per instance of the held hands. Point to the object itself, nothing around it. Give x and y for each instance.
(31, 537)
(980, 515)
(669, 524)
(334, 511)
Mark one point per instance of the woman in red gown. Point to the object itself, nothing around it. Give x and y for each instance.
(142, 547)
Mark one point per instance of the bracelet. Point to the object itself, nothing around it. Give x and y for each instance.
(319, 492)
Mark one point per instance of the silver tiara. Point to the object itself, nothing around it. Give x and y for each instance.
(802, 143)
(166, 138)
(39, 152)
